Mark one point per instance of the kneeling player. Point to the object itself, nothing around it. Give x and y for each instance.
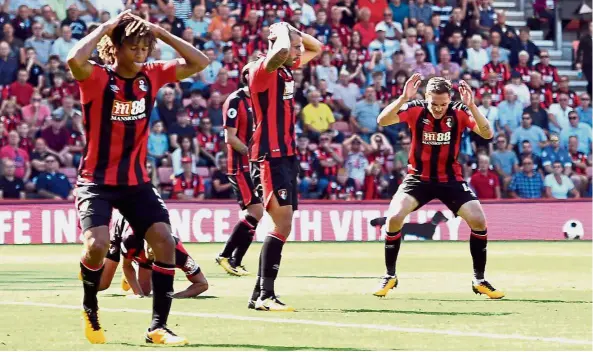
(436, 125)
(238, 129)
(134, 249)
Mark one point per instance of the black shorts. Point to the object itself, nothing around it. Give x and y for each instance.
(141, 206)
(184, 261)
(247, 187)
(452, 194)
(279, 177)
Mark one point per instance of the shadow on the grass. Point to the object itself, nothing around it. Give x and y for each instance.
(251, 347)
(503, 300)
(411, 312)
(332, 277)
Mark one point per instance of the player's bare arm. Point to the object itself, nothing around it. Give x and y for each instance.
(130, 274)
(389, 115)
(81, 52)
(312, 46)
(277, 56)
(482, 127)
(230, 138)
(192, 61)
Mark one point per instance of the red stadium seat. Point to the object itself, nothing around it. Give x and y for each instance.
(165, 175)
(203, 172)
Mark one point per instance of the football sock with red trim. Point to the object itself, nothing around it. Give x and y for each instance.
(393, 242)
(163, 276)
(91, 276)
(271, 256)
(244, 231)
(478, 240)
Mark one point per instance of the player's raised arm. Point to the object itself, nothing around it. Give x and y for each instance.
(81, 52)
(389, 115)
(312, 46)
(482, 127)
(280, 50)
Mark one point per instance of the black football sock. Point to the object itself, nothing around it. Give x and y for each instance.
(271, 255)
(233, 241)
(245, 230)
(114, 252)
(478, 241)
(91, 276)
(162, 287)
(257, 288)
(393, 242)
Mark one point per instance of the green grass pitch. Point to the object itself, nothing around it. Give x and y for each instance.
(548, 303)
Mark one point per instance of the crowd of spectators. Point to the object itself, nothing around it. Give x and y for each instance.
(541, 148)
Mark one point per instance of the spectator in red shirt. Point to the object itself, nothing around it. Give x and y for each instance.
(188, 186)
(26, 142)
(342, 188)
(59, 90)
(36, 113)
(19, 156)
(485, 182)
(330, 160)
(56, 135)
(76, 140)
(208, 142)
(196, 110)
(223, 84)
(20, 90)
(374, 182)
(10, 117)
(344, 32)
(365, 27)
(376, 7)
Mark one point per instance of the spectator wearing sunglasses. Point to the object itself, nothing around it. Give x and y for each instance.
(579, 129)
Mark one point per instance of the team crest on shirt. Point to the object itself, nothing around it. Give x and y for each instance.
(449, 123)
(140, 87)
(232, 113)
(283, 194)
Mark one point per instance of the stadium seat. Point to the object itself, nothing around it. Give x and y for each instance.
(165, 175)
(203, 172)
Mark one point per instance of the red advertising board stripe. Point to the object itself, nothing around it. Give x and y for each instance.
(53, 222)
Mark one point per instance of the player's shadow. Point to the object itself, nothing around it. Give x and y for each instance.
(410, 312)
(253, 347)
(526, 300)
(333, 277)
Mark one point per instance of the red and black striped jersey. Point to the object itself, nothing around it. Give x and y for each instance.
(394, 89)
(344, 32)
(209, 143)
(116, 115)
(435, 142)
(259, 45)
(502, 71)
(240, 50)
(308, 162)
(196, 114)
(525, 72)
(381, 157)
(338, 57)
(382, 95)
(233, 69)
(283, 10)
(238, 114)
(322, 155)
(545, 96)
(192, 187)
(345, 191)
(573, 98)
(272, 96)
(497, 93)
(549, 74)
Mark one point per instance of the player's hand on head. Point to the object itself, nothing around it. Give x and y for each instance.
(411, 86)
(467, 96)
(112, 23)
(276, 29)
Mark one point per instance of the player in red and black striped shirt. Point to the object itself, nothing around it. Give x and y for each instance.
(238, 125)
(273, 146)
(117, 100)
(436, 125)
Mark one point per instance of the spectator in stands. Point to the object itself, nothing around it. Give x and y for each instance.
(356, 161)
(166, 108)
(20, 90)
(375, 64)
(342, 187)
(420, 12)
(527, 151)
(317, 116)
(188, 185)
(452, 24)
(524, 44)
(579, 129)
(536, 86)
(549, 72)
(446, 64)
(519, 88)
(364, 27)
(401, 157)
(11, 187)
(400, 12)
(326, 71)
(495, 43)
(34, 68)
(584, 110)
(490, 112)
(38, 157)
(539, 117)
(563, 88)
(583, 57)
(67, 111)
(56, 136)
(36, 113)
(410, 45)
(558, 114)
(554, 152)
(223, 84)
(379, 151)
(158, 144)
(208, 143)
(510, 111)
(558, 185)
(198, 22)
(308, 166)
(18, 156)
(487, 15)
(485, 182)
(523, 66)
(430, 46)
(26, 142)
(527, 183)
(62, 46)
(187, 148)
(8, 65)
(77, 26)
(16, 44)
(10, 115)
(528, 132)
(426, 69)
(181, 128)
(41, 45)
(477, 57)
(580, 162)
(364, 118)
(330, 160)
(375, 183)
(49, 22)
(387, 46)
(51, 183)
(221, 186)
(505, 161)
(457, 49)
(176, 23)
(215, 111)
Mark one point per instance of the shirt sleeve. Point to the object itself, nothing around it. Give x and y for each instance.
(259, 78)
(161, 73)
(548, 180)
(230, 112)
(177, 186)
(569, 182)
(200, 187)
(410, 112)
(467, 117)
(89, 86)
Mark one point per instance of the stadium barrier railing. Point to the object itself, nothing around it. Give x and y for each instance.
(39, 222)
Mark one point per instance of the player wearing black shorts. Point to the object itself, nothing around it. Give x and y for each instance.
(134, 249)
(117, 100)
(238, 125)
(273, 147)
(436, 126)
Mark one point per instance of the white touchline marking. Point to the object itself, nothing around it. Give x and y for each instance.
(324, 323)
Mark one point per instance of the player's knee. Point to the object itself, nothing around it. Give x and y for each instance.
(476, 221)
(256, 211)
(97, 246)
(396, 221)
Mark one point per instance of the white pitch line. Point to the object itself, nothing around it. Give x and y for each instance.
(324, 323)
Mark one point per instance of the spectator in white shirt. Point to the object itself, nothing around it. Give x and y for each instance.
(477, 57)
(308, 16)
(410, 45)
(558, 114)
(64, 44)
(326, 71)
(520, 89)
(393, 30)
(387, 46)
(558, 185)
(346, 94)
(490, 112)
